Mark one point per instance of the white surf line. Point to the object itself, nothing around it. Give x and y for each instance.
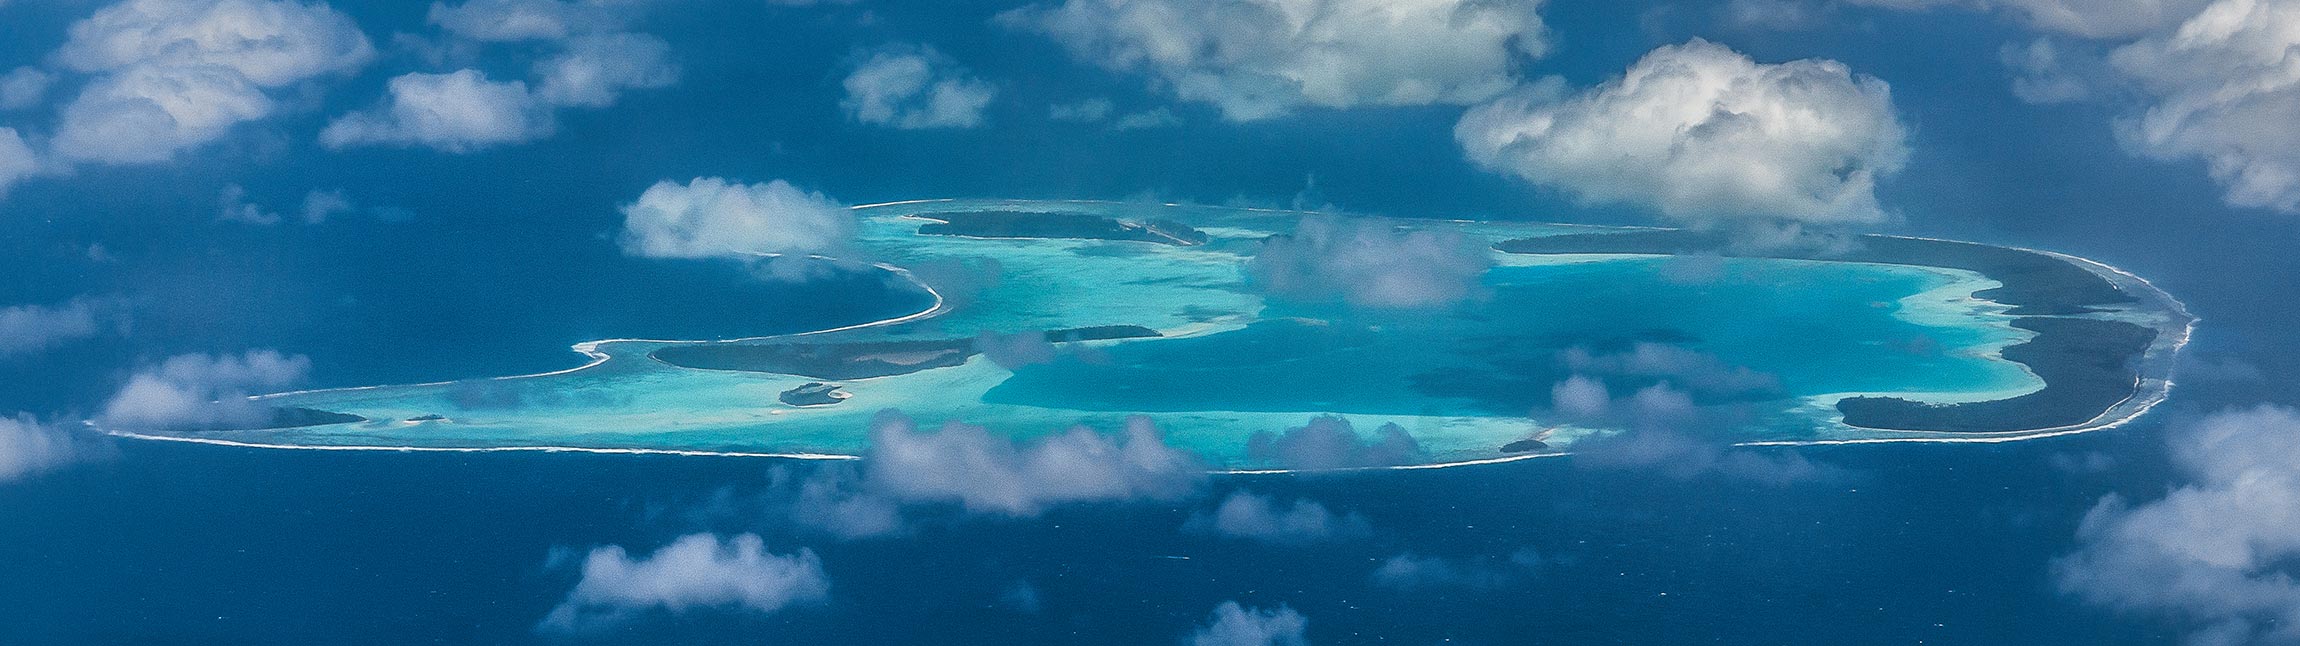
(474, 449)
(2106, 420)
(2147, 393)
(591, 348)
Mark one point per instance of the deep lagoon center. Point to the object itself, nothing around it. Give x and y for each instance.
(1149, 310)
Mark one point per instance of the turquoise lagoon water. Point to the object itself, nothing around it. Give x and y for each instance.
(1463, 381)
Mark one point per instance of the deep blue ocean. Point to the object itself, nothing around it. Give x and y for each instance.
(492, 263)
(1924, 544)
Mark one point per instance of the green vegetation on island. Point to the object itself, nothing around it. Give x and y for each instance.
(2088, 365)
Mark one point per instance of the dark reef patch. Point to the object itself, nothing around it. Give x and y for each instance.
(860, 359)
(1033, 224)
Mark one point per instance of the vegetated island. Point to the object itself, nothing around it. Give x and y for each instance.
(838, 361)
(1034, 224)
(2088, 365)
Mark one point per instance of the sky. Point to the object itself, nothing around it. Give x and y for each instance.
(205, 199)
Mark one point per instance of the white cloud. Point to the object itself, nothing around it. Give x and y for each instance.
(1658, 442)
(17, 160)
(2216, 552)
(2082, 18)
(23, 87)
(516, 20)
(964, 468)
(321, 204)
(201, 390)
(1253, 516)
(1580, 397)
(2221, 88)
(1012, 351)
(1257, 59)
(28, 329)
(965, 464)
(28, 447)
(1084, 111)
(1236, 625)
(710, 217)
(457, 112)
(696, 571)
(270, 43)
(1697, 371)
(145, 114)
(233, 206)
(1369, 262)
(1411, 571)
(593, 70)
(915, 88)
(176, 75)
(1703, 134)
(1328, 442)
(837, 500)
(591, 63)
(317, 206)
(2041, 73)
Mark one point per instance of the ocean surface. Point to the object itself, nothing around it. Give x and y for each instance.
(470, 266)
(1936, 544)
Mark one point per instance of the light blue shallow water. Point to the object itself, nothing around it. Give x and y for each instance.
(1779, 339)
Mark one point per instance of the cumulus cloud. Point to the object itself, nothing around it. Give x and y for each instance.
(1410, 571)
(710, 217)
(1258, 59)
(964, 469)
(1702, 373)
(966, 465)
(317, 206)
(836, 500)
(1369, 262)
(520, 20)
(694, 572)
(199, 390)
(1703, 135)
(456, 112)
(233, 206)
(17, 160)
(176, 75)
(1580, 397)
(2042, 74)
(28, 447)
(1236, 625)
(2216, 552)
(1248, 515)
(23, 87)
(594, 70)
(1663, 434)
(915, 88)
(1083, 111)
(1012, 351)
(593, 61)
(321, 204)
(2082, 18)
(33, 328)
(1328, 442)
(2220, 88)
